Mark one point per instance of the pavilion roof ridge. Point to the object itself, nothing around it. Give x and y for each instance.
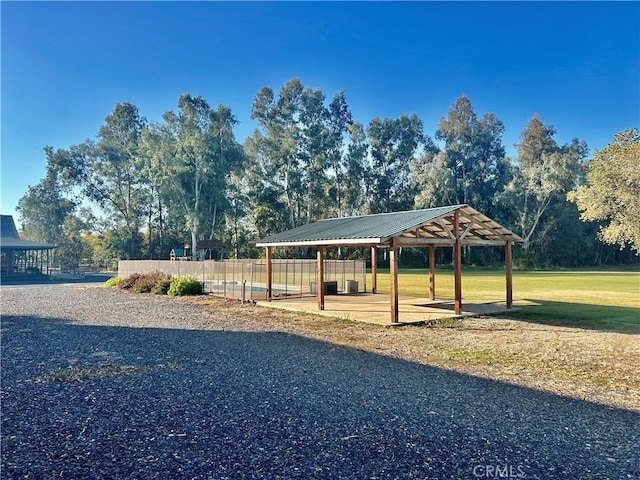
(413, 227)
(381, 214)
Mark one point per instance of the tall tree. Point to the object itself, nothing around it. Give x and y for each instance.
(435, 180)
(269, 209)
(612, 189)
(279, 146)
(44, 208)
(471, 168)
(118, 163)
(343, 169)
(301, 149)
(394, 144)
(315, 151)
(191, 154)
(545, 173)
(109, 172)
(355, 171)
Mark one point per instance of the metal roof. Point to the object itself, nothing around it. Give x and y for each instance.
(410, 228)
(8, 227)
(10, 240)
(10, 243)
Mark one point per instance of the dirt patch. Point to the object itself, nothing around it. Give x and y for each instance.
(590, 365)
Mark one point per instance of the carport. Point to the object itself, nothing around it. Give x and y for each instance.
(453, 227)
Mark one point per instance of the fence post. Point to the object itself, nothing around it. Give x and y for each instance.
(251, 287)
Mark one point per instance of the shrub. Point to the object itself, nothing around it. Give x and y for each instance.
(161, 287)
(129, 282)
(185, 286)
(148, 281)
(112, 282)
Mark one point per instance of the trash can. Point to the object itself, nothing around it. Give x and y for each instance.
(351, 286)
(331, 287)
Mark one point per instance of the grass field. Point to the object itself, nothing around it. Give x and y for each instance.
(594, 299)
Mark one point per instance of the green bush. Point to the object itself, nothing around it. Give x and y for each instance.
(112, 282)
(185, 286)
(161, 287)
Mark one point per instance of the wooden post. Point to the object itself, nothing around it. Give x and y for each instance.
(457, 263)
(269, 274)
(508, 270)
(320, 279)
(393, 280)
(432, 272)
(374, 269)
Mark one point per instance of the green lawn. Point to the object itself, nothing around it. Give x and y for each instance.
(596, 299)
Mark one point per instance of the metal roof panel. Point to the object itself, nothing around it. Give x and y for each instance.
(378, 228)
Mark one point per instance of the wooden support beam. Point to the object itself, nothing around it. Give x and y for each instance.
(509, 275)
(393, 280)
(446, 228)
(468, 229)
(457, 264)
(374, 269)
(269, 275)
(320, 280)
(432, 272)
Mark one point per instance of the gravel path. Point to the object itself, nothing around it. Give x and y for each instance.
(102, 384)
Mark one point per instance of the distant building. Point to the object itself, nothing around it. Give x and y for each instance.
(21, 257)
(178, 254)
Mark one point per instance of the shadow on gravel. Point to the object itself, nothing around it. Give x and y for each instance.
(114, 402)
(55, 279)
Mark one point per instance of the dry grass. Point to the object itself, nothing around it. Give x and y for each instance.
(593, 365)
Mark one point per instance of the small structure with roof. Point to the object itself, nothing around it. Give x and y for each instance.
(21, 257)
(452, 226)
(178, 254)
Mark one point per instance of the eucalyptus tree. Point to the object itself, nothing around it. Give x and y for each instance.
(470, 168)
(270, 211)
(44, 208)
(435, 181)
(611, 192)
(393, 143)
(108, 172)
(345, 166)
(238, 210)
(314, 152)
(301, 149)
(545, 173)
(191, 155)
(354, 174)
(277, 147)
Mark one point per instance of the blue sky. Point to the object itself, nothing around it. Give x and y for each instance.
(66, 65)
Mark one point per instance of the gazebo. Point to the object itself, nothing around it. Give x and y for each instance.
(20, 256)
(452, 226)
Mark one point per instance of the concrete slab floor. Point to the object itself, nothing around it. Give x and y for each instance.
(375, 308)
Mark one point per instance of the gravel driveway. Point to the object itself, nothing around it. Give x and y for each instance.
(103, 384)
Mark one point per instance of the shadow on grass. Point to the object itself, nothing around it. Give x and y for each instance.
(121, 402)
(580, 315)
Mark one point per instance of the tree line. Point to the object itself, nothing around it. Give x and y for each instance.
(140, 188)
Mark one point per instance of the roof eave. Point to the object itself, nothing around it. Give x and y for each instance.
(350, 242)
